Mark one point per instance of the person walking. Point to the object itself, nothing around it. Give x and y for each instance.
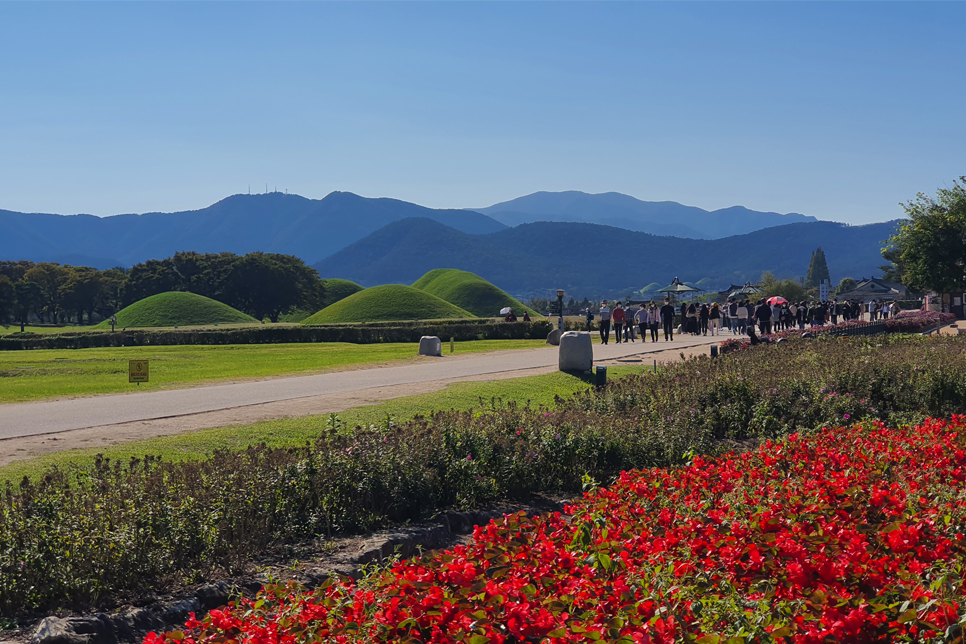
(641, 318)
(653, 320)
(763, 316)
(692, 320)
(619, 317)
(715, 317)
(604, 322)
(704, 315)
(590, 318)
(667, 319)
(741, 316)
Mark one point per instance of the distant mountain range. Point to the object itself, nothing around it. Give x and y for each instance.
(274, 222)
(593, 243)
(621, 211)
(589, 259)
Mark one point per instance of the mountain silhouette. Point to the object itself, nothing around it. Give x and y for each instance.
(622, 211)
(274, 222)
(585, 259)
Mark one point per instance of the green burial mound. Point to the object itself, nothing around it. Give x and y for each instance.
(177, 308)
(387, 302)
(336, 289)
(469, 292)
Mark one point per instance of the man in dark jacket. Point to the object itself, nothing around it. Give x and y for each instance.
(763, 315)
(667, 317)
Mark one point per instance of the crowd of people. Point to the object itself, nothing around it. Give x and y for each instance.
(740, 317)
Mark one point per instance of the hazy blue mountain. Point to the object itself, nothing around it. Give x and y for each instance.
(588, 259)
(275, 222)
(622, 211)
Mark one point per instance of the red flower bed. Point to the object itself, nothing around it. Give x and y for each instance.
(851, 535)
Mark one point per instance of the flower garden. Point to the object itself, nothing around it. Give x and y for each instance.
(851, 534)
(839, 521)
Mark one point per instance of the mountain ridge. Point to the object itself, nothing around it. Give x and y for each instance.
(272, 222)
(591, 258)
(623, 211)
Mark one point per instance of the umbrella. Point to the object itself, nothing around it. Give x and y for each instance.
(678, 287)
(777, 299)
(505, 310)
(747, 289)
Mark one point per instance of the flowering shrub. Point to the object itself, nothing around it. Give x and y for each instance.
(73, 538)
(904, 322)
(854, 534)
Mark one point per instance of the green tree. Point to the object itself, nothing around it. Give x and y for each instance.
(81, 292)
(269, 284)
(847, 284)
(768, 283)
(112, 285)
(150, 278)
(49, 277)
(817, 269)
(931, 244)
(8, 298)
(30, 298)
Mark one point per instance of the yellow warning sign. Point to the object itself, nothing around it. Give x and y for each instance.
(137, 371)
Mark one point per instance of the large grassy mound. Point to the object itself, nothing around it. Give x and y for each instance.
(387, 302)
(469, 292)
(177, 308)
(336, 289)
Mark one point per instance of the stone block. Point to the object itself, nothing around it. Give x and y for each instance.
(430, 345)
(576, 351)
(554, 337)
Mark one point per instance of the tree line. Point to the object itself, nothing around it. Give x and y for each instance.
(263, 285)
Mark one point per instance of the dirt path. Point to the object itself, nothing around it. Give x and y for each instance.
(23, 447)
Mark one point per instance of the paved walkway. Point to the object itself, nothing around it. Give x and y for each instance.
(38, 418)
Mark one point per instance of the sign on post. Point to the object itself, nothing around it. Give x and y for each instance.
(137, 371)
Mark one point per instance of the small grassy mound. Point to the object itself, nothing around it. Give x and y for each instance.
(177, 308)
(336, 289)
(469, 292)
(387, 302)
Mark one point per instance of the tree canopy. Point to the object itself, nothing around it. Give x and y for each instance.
(817, 269)
(928, 251)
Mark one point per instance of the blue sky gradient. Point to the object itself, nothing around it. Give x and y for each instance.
(837, 110)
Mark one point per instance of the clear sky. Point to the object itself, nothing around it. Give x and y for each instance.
(838, 110)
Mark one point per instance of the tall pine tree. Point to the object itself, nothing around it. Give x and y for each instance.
(817, 269)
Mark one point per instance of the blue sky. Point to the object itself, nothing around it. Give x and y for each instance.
(838, 110)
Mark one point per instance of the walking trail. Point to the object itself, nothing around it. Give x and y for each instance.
(35, 428)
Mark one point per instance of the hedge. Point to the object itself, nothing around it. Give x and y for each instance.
(461, 330)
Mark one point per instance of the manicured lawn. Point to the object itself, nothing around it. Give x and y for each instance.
(537, 390)
(35, 375)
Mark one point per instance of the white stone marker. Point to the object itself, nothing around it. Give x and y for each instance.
(576, 351)
(430, 345)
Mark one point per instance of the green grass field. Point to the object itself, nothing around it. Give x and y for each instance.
(177, 308)
(538, 390)
(36, 375)
(469, 292)
(388, 302)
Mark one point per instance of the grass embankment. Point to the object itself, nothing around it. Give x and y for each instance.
(177, 520)
(294, 432)
(470, 292)
(385, 303)
(177, 308)
(40, 374)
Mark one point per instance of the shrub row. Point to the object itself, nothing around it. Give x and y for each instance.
(73, 538)
(461, 330)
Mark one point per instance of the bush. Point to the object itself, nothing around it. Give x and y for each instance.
(371, 333)
(75, 537)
